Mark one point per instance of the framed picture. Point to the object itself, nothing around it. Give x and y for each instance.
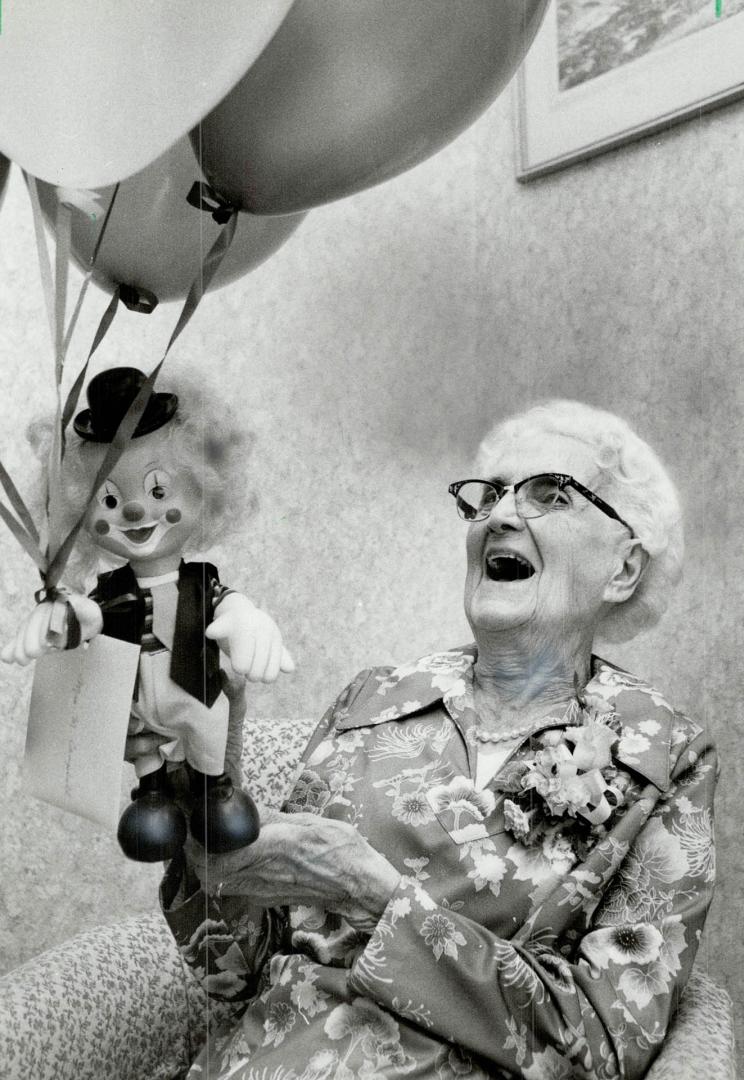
(602, 72)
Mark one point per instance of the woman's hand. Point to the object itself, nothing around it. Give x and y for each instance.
(303, 859)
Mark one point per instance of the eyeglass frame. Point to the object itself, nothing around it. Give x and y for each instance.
(564, 480)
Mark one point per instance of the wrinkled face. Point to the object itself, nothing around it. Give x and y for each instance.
(549, 574)
(149, 506)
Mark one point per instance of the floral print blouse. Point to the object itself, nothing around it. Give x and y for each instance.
(510, 949)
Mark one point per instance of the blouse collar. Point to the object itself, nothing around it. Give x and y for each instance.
(644, 715)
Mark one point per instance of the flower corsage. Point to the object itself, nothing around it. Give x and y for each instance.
(569, 774)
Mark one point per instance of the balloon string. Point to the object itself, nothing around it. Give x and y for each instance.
(24, 539)
(54, 288)
(131, 418)
(103, 328)
(63, 235)
(15, 500)
(45, 266)
(89, 273)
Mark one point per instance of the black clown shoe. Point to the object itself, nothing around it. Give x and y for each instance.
(153, 827)
(224, 818)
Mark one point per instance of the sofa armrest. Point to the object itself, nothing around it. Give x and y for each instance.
(700, 1042)
(115, 1002)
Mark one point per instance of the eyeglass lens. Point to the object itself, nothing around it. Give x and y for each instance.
(476, 499)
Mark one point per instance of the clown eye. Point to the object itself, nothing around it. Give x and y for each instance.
(157, 484)
(110, 496)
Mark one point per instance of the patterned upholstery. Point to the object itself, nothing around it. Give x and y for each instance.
(118, 1003)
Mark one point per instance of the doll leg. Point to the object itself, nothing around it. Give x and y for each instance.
(153, 826)
(224, 818)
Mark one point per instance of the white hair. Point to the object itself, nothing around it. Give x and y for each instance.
(637, 486)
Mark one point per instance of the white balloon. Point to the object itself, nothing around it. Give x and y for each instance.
(92, 91)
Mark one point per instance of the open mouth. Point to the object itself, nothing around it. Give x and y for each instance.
(140, 536)
(508, 567)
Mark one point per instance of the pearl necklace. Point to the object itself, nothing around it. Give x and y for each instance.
(506, 736)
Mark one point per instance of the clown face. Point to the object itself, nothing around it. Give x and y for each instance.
(148, 507)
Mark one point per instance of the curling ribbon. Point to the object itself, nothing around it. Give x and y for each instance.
(131, 418)
(51, 566)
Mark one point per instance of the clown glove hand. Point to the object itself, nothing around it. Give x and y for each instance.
(54, 624)
(250, 638)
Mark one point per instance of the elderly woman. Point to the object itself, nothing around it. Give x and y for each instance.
(497, 860)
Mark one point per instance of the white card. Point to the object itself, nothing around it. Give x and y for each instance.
(77, 727)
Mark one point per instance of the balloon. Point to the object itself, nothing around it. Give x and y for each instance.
(154, 238)
(93, 90)
(351, 92)
(4, 170)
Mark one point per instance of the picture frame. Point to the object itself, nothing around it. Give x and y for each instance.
(596, 110)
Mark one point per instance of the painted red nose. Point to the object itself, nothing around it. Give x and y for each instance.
(133, 511)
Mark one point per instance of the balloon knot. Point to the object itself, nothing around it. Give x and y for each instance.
(138, 299)
(204, 197)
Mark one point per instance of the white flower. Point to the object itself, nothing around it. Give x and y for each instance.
(517, 821)
(632, 743)
(412, 808)
(362, 1018)
(488, 869)
(531, 863)
(639, 985)
(401, 906)
(417, 866)
(559, 852)
(649, 727)
(441, 934)
(321, 1065)
(280, 1020)
(306, 996)
(636, 943)
(591, 744)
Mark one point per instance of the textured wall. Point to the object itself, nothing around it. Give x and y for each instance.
(371, 353)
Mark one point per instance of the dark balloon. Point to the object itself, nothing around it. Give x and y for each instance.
(4, 170)
(348, 94)
(154, 238)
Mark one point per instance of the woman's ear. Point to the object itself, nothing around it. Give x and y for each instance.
(632, 563)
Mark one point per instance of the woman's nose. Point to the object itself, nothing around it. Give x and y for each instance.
(504, 514)
(133, 511)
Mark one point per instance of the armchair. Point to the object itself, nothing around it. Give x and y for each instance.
(118, 1002)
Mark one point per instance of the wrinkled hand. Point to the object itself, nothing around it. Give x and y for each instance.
(303, 859)
(34, 638)
(250, 638)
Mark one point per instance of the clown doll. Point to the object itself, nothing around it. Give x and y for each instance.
(183, 469)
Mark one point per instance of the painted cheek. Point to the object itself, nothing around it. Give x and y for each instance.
(101, 527)
(173, 515)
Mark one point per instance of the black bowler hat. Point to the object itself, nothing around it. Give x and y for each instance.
(110, 394)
